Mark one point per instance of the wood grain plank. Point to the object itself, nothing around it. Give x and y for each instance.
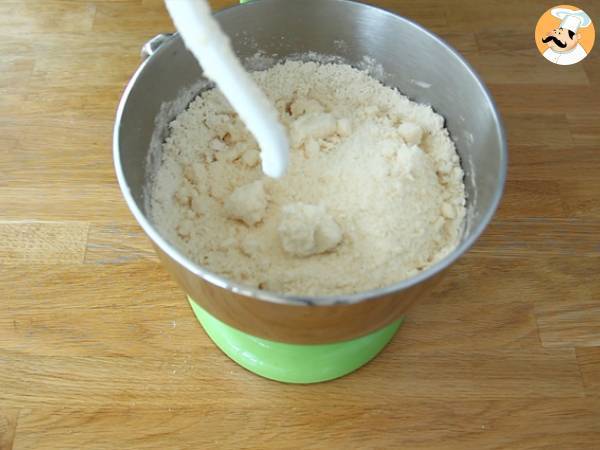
(67, 103)
(35, 17)
(577, 162)
(88, 310)
(430, 14)
(532, 199)
(10, 102)
(464, 42)
(580, 197)
(591, 64)
(192, 377)
(43, 242)
(495, 15)
(151, 16)
(117, 244)
(525, 68)
(87, 60)
(558, 293)
(128, 329)
(60, 150)
(548, 130)
(483, 316)
(86, 286)
(62, 201)
(502, 42)
(85, 73)
(588, 359)
(567, 310)
(10, 145)
(313, 424)
(542, 98)
(585, 126)
(15, 70)
(8, 426)
(14, 45)
(540, 237)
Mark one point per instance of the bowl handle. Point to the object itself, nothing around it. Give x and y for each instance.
(153, 44)
(150, 47)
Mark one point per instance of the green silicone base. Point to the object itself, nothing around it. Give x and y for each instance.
(293, 363)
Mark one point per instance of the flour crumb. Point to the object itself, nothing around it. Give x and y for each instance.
(305, 105)
(344, 127)
(247, 203)
(308, 230)
(411, 133)
(251, 157)
(448, 211)
(313, 125)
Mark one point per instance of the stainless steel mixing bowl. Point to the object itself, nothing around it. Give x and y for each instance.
(414, 61)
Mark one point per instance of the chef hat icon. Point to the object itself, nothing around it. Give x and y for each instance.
(571, 20)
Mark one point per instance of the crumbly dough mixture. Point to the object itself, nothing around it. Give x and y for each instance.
(374, 192)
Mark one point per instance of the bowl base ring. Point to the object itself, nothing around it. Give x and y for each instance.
(294, 363)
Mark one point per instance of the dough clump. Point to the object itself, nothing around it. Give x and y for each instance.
(308, 230)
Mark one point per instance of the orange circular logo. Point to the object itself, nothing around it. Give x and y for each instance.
(565, 35)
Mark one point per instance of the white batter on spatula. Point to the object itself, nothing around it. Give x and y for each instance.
(205, 39)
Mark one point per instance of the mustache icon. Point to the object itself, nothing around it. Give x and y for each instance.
(555, 40)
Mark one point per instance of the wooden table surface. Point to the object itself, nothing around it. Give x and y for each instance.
(99, 349)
